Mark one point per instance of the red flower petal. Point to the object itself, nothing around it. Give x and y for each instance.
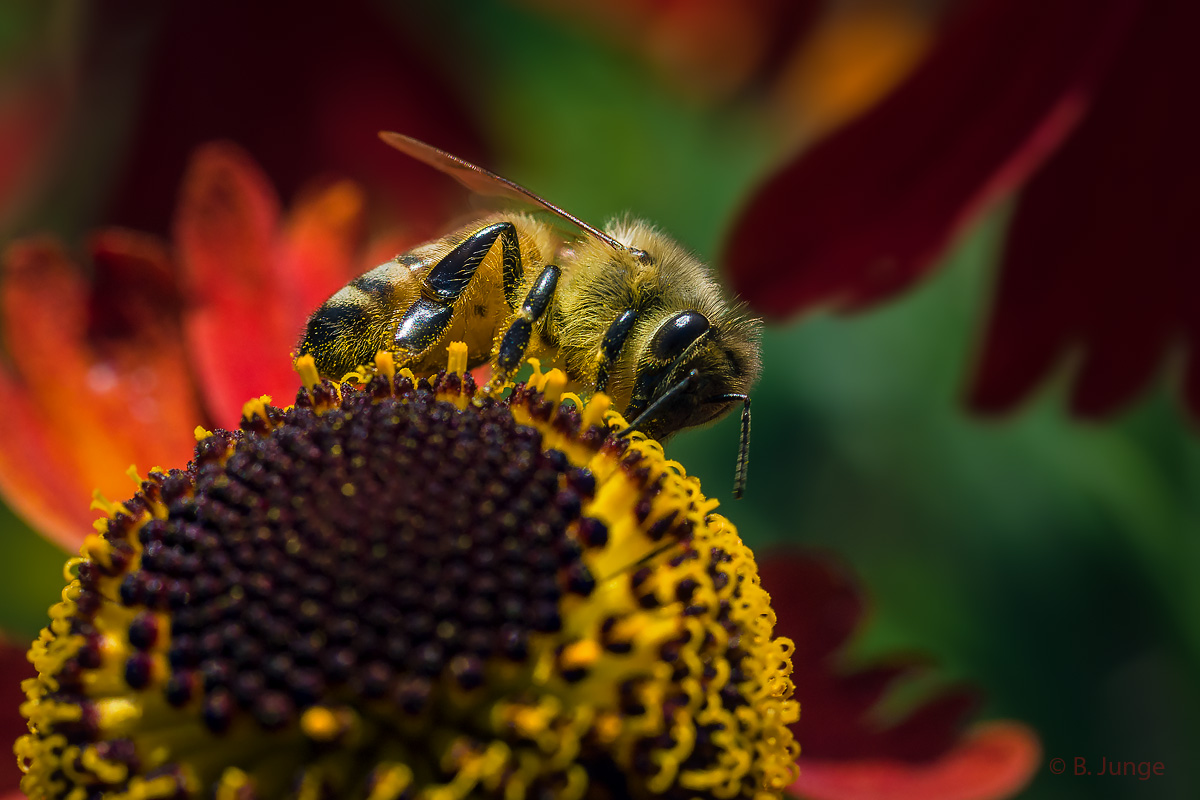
(85, 408)
(996, 760)
(819, 608)
(820, 605)
(864, 213)
(1101, 256)
(239, 330)
(14, 668)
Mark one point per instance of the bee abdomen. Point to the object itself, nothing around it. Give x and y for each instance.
(344, 333)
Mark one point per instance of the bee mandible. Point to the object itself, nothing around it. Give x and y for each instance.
(625, 310)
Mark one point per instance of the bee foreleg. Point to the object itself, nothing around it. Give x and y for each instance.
(666, 398)
(514, 343)
(610, 348)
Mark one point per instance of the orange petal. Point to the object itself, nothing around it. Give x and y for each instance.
(320, 246)
(239, 330)
(995, 761)
(37, 479)
(91, 408)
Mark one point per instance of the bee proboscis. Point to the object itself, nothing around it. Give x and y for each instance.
(625, 310)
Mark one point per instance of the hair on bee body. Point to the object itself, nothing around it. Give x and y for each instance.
(625, 310)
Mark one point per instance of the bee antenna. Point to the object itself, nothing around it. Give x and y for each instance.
(743, 459)
(662, 400)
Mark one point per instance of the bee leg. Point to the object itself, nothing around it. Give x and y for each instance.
(422, 325)
(515, 341)
(427, 319)
(610, 348)
(513, 269)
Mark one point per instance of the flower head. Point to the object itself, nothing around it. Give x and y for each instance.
(407, 589)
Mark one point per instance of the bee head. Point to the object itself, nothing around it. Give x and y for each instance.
(675, 320)
(693, 371)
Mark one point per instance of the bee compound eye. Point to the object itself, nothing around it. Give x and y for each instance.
(677, 333)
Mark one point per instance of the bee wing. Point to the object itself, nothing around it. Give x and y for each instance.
(482, 181)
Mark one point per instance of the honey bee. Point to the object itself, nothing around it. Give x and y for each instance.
(626, 310)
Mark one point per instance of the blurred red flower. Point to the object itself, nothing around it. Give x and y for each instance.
(160, 339)
(1083, 105)
(846, 750)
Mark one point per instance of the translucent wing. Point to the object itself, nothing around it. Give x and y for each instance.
(482, 181)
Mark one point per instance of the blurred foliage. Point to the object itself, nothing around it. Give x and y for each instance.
(1047, 560)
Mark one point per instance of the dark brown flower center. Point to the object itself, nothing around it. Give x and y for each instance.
(378, 547)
